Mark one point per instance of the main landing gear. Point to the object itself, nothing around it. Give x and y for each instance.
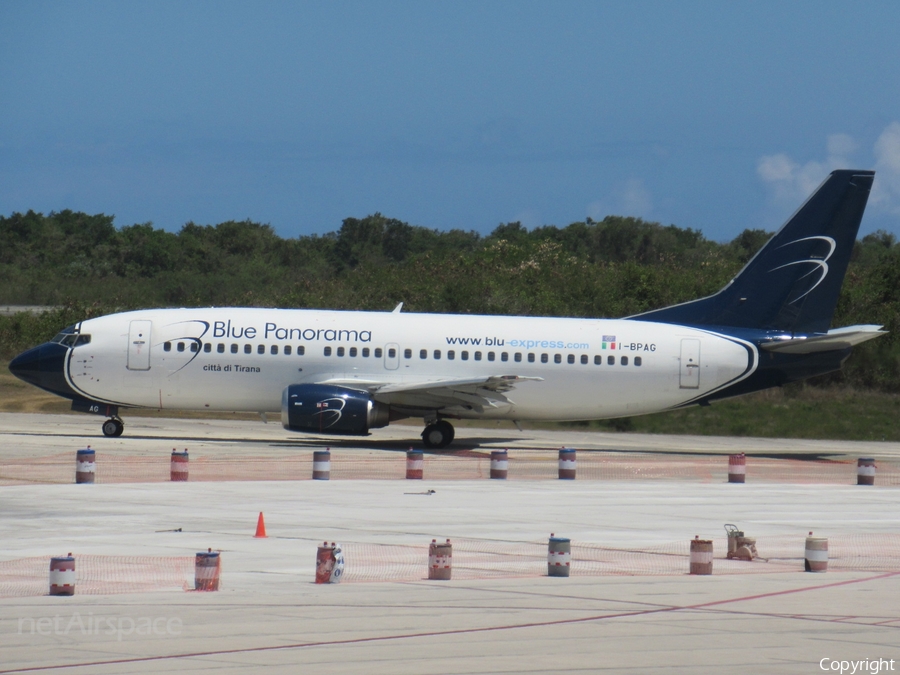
(438, 434)
(113, 427)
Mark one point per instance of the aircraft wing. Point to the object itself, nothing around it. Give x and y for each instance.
(474, 393)
(836, 338)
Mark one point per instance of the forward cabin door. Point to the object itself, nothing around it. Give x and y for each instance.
(690, 364)
(392, 356)
(139, 345)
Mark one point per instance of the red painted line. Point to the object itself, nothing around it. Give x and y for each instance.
(460, 631)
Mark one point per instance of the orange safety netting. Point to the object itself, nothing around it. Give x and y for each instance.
(478, 559)
(100, 575)
(458, 465)
(472, 559)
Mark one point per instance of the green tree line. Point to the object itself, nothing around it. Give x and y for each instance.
(85, 266)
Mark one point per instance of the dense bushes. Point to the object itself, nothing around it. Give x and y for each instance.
(85, 266)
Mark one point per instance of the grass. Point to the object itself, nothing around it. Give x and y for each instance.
(796, 411)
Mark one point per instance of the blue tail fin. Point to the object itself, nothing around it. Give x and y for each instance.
(792, 283)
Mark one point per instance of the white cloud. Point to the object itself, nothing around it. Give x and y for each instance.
(841, 146)
(631, 198)
(886, 190)
(791, 182)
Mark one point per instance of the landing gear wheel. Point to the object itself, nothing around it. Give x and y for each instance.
(438, 435)
(113, 427)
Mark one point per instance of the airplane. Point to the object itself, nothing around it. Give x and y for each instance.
(348, 372)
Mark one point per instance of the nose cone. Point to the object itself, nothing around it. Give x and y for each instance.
(43, 366)
(27, 366)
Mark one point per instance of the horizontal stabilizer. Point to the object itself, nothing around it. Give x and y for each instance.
(837, 338)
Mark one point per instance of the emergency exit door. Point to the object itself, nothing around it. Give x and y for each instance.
(690, 364)
(139, 345)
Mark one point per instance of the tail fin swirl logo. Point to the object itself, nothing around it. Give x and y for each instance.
(819, 264)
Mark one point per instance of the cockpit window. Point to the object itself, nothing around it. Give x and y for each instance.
(69, 338)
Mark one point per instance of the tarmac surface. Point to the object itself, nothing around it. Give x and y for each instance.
(269, 616)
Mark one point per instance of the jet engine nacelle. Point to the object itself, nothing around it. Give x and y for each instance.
(327, 409)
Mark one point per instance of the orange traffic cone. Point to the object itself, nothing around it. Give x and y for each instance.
(260, 527)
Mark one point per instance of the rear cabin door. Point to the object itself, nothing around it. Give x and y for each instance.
(690, 364)
(139, 345)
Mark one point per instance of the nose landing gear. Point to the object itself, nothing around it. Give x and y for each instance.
(113, 427)
(438, 434)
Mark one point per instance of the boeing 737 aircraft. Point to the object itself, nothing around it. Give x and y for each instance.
(331, 372)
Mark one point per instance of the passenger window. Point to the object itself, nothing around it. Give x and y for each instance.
(437, 354)
(273, 350)
(598, 360)
(530, 357)
(557, 358)
(327, 351)
(544, 358)
(464, 355)
(181, 346)
(365, 352)
(637, 360)
(584, 359)
(287, 350)
(261, 349)
(624, 360)
(504, 356)
(423, 353)
(234, 348)
(570, 358)
(301, 350)
(353, 351)
(392, 353)
(518, 357)
(167, 346)
(611, 360)
(451, 354)
(378, 352)
(490, 356)
(220, 348)
(248, 349)
(207, 347)
(407, 353)
(477, 356)
(340, 351)
(195, 347)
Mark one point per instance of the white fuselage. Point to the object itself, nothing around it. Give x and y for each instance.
(242, 359)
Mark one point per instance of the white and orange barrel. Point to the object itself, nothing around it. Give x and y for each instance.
(85, 466)
(440, 560)
(499, 464)
(329, 563)
(815, 558)
(207, 567)
(737, 468)
(865, 471)
(415, 464)
(701, 556)
(62, 575)
(567, 464)
(322, 464)
(559, 556)
(179, 467)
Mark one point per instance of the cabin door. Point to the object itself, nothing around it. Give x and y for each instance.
(392, 356)
(139, 345)
(690, 364)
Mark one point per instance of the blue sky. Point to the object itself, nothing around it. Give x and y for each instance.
(714, 115)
